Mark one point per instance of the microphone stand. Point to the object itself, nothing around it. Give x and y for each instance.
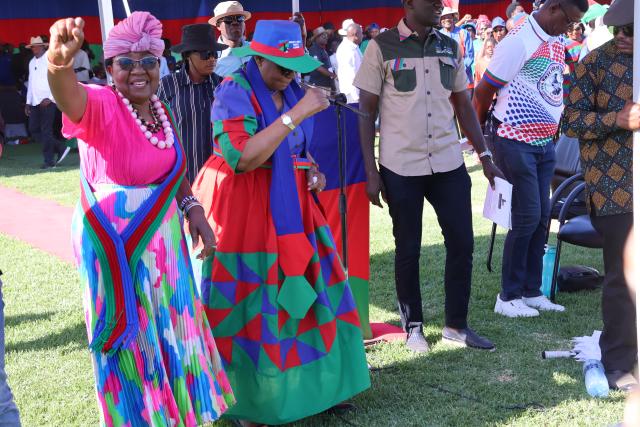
(340, 101)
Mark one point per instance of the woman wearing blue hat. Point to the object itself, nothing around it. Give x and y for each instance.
(275, 292)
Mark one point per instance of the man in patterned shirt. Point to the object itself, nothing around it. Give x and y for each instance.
(526, 73)
(600, 113)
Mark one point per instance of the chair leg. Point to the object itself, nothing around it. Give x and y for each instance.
(491, 244)
(556, 266)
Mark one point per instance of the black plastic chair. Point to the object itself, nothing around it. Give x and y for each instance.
(576, 208)
(577, 230)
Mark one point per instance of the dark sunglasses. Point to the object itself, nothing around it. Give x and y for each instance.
(206, 54)
(627, 30)
(231, 19)
(284, 71)
(147, 63)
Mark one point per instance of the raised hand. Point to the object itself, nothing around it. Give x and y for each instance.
(67, 36)
(314, 101)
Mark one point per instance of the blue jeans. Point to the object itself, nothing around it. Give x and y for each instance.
(529, 169)
(9, 416)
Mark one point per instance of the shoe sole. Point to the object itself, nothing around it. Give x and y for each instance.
(515, 315)
(546, 309)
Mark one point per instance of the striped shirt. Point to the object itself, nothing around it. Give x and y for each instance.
(191, 105)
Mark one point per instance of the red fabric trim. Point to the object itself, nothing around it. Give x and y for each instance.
(274, 51)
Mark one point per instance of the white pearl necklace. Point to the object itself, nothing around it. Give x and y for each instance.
(166, 125)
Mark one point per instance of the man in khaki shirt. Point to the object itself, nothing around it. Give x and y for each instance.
(415, 78)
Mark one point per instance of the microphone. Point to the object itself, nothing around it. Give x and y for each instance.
(335, 98)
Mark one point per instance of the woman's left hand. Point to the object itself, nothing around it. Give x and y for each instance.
(316, 179)
(200, 230)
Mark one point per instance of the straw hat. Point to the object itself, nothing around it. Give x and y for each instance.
(448, 11)
(345, 26)
(318, 32)
(228, 8)
(36, 41)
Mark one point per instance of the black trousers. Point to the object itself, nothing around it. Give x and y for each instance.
(41, 126)
(450, 195)
(618, 341)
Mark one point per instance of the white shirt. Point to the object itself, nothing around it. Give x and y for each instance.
(349, 58)
(228, 63)
(164, 67)
(527, 69)
(81, 60)
(38, 85)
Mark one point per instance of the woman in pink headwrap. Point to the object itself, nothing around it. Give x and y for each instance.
(155, 360)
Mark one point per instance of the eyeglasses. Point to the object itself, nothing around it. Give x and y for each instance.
(499, 29)
(147, 63)
(627, 30)
(206, 54)
(231, 19)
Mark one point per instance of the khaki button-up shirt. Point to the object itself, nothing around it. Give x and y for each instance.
(414, 81)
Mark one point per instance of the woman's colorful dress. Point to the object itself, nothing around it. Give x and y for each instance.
(170, 373)
(291, 344)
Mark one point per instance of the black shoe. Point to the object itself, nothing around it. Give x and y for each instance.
(416, 341)
(468, 338)
(341, 408)
(46, 166)
(623, 381)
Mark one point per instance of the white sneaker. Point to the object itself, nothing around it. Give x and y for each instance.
(542, 303)
(514, 308)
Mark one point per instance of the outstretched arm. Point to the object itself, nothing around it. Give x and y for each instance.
(67, 36)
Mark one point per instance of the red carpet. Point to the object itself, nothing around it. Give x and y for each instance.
(41, 223)
(384, 332)
(46, 225)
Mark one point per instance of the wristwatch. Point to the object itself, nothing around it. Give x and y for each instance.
(286, 120)
(486, 153)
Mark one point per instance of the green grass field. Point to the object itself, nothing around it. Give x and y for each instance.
(50, 372)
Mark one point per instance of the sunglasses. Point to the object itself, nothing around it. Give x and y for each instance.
(147, 63)
(627, 30)
(231, 19)
(206, 54)
(284, 71)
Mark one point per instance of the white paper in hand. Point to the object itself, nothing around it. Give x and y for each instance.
(497, 204)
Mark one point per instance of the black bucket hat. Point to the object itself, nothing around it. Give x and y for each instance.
(198, 37)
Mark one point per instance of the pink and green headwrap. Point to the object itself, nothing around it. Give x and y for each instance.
(138, 33)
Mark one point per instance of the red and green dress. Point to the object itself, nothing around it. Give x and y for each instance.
(277, 299)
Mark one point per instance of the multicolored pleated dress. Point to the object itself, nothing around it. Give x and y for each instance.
(154, 357)
(275, 292)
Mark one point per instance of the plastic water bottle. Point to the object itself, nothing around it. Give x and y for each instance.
(594, 378)
(548, 259)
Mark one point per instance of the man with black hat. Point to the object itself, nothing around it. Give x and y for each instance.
(189, 92)
(600, 113)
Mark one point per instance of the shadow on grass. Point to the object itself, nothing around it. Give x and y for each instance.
(76, 335)
(21, 160)
(471, 387)
(12, 321)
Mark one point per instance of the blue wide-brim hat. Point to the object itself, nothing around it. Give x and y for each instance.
(279, 42)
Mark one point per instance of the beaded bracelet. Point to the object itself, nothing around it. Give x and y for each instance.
(188, 208)
(186, 200)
